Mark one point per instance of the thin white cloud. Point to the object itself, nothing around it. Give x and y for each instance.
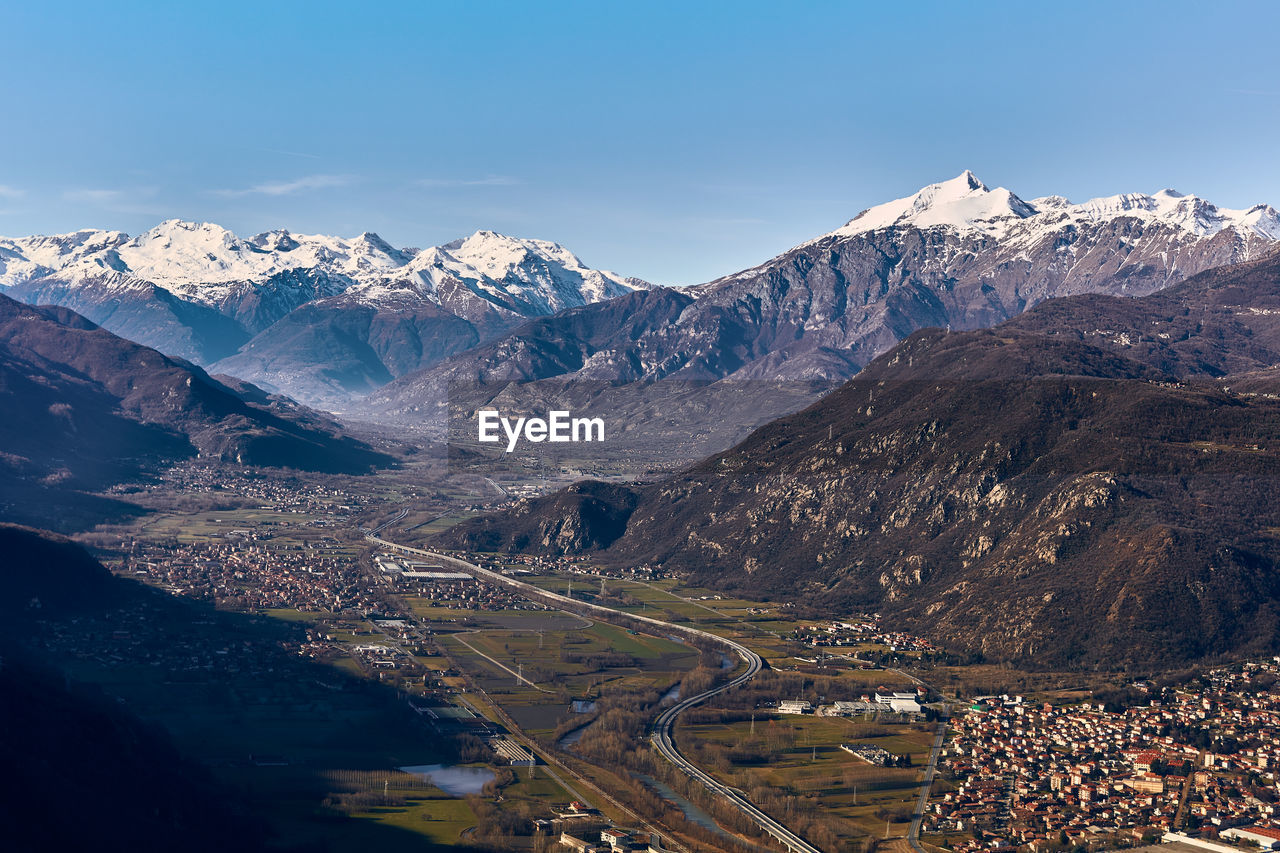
(135, 200)
(277, 188)
(488, 181)
(94, 196)
(10, 192)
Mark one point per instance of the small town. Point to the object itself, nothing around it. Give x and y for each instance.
(865, 630)
(1198, 757)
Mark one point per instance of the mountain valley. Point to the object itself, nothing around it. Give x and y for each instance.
(1070, 497)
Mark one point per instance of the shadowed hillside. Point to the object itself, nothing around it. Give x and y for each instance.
(85, 409)
(136, 712)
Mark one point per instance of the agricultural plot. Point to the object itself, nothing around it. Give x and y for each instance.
(801, 757)
(536, 674)
(218, 524)
(442, 619)
(438, 524)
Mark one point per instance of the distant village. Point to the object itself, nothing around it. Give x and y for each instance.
(866, 630)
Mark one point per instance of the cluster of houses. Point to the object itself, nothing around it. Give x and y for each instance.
(1201, 758)
(247, 571)
(862, 630)
(317, 503)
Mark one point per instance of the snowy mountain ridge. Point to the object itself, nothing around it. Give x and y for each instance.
(966, 204)
(207, 264)
(538, 276)
(328, 320)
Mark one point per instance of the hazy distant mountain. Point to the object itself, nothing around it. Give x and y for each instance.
(1043, 490)
(372, 311)
(85, 409)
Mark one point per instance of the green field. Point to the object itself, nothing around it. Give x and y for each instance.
(563, 663)
(801, 755)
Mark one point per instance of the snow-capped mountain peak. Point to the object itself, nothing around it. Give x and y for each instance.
(966, 204)
(205, 263)
(181, 253)
(497, 255)
(513, 274)
(25, 258)
(963, 202)
(192, 258)
(1188, 213)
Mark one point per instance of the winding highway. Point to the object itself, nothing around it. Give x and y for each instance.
(661, 738)
(661, 733)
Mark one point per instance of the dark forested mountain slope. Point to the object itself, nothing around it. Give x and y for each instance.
(85, 408)
(1222, 321)
(64, 359)
(79, 748)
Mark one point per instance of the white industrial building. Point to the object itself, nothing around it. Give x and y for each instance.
(794, 706)
(899, 703)
(850, 709)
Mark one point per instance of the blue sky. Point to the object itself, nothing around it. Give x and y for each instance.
(673, 141)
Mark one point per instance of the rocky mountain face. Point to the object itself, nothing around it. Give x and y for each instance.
(690, 372)
(328, 320)
(963, 256)
(590, 361)
(85, 408)
(1073, 487)
(956, 254)
(368, 311)
(1223, 322)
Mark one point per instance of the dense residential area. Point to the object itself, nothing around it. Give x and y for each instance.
(1200, 756)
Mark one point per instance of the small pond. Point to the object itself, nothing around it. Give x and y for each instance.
(458, 781)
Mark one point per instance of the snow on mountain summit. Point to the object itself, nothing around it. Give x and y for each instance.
(189, 257)
(25, 258)
(496, 255)
(962, 202)
(529, 277)
(1187, 212)
(965, 203)
(206, 263)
